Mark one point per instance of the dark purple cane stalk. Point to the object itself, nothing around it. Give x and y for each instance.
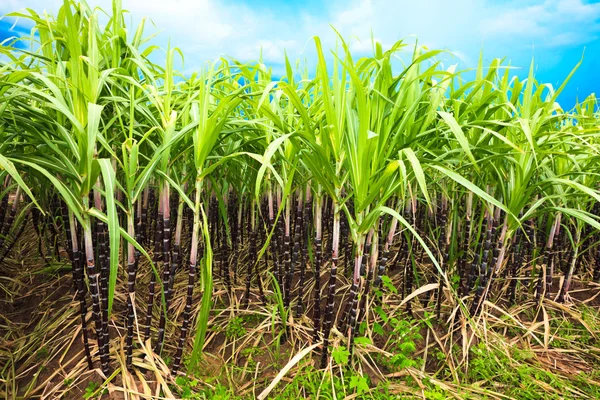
(443, 258)
(103, 263)
(297, 237)
(498, 255)
(36, 217)
(236, 239)
(317, 268)
(474, 265)
(279, 236)
(174, 204)
(186, 243)
(515, 267)
(596, 275)
(369, 273)
(386, 252)
(166, 258)
(252, 242)
(254, 259)
(347, 241)
(353, 315)
(542, 284)
(349, 316)
(483, 267)
(176, 253)
(527, 240)
(4, 202)
(304, 249)
(191, 278)
(350, 326)
(287, 258)
(186, 317)
(328, 316)
(259, 238)
(241, 223)
(287, 263)
(232, 210)
(67, 229)
(226, 247)
(539, 236)
(274, 238)
(132, 261)
(16, 236)
(55, 216)
(465, 242)
(368, 243)
(94, 283)
(396, 256)
(7, 223)
(156, 257)
(78, 274)
(408, 249)
(529, 246)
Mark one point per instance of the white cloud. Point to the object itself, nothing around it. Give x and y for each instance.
(205, 29)
(38, 5)
(551, 23)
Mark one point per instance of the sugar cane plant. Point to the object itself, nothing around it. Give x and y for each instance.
(481, 190)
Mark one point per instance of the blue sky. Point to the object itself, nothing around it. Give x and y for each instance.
(555, 32)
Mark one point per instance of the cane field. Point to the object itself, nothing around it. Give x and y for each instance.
(378, 227)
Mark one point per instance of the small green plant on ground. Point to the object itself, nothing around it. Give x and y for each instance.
(403, 335)
(515, 371)
(235, 328)
(91, 390)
